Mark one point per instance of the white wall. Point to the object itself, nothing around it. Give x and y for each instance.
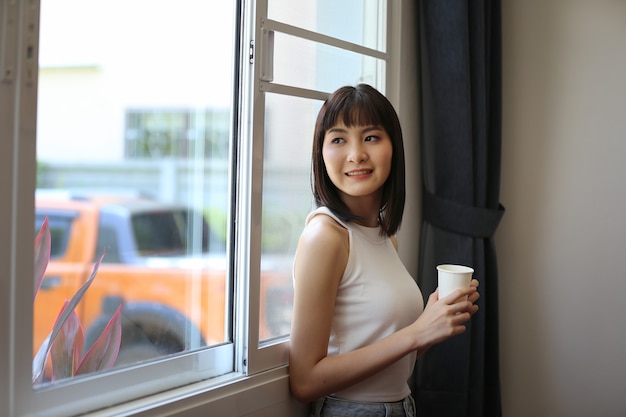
(563, 237)
(402, 91)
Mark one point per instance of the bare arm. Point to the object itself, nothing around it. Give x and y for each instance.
(319, 266)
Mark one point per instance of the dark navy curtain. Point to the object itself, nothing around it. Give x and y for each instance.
(460, 82)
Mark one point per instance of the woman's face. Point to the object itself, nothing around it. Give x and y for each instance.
(357, 159)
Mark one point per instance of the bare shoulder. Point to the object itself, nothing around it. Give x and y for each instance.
(323, 246)
(323, 230)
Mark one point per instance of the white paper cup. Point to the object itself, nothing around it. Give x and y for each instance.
(452, 277)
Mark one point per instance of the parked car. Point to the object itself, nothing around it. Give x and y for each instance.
(173, 293)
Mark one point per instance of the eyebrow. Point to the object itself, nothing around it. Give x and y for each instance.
(364, 130)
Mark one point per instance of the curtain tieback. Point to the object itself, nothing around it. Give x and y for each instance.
(458, 218)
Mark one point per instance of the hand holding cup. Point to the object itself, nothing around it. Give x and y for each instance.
(453, 277)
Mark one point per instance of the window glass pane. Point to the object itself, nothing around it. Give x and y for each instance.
(133, 139)
(287, 199)
(303, 63)
(358, 21)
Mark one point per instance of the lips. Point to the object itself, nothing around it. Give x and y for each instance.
(359, 172)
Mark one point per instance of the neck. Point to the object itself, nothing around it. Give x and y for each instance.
(367, 208)
(368, 222)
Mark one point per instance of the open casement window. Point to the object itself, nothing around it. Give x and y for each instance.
(172, 140)
(301, 51)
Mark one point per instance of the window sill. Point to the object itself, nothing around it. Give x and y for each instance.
(230, 395)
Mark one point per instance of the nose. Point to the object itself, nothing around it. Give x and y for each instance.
(357, 153)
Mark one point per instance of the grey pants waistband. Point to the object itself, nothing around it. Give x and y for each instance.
(332, 406)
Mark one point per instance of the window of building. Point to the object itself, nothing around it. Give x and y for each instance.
(171, 133)
(175, 137)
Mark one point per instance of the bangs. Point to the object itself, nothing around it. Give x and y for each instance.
(353, 110)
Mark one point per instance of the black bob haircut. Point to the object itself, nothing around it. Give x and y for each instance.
(361, 105)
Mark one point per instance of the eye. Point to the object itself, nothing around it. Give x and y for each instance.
(371, 138)
(337, 140)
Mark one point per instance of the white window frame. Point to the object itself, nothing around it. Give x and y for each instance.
(254, 361)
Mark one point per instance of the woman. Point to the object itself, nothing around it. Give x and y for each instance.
(359, 321)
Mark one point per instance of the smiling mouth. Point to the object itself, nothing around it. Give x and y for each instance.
(359, 172)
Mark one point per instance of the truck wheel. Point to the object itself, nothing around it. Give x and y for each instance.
(149, 331)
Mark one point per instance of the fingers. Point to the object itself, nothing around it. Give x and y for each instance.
(460, 294)
(461, 307)
(457, 322)
(468, 307)
(474, 297)
(459, 301)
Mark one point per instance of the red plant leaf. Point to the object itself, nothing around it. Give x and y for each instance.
(40, 359)
(67, 348)
(42, 254)
(103, 353)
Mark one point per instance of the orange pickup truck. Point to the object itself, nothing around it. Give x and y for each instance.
(173, 297)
